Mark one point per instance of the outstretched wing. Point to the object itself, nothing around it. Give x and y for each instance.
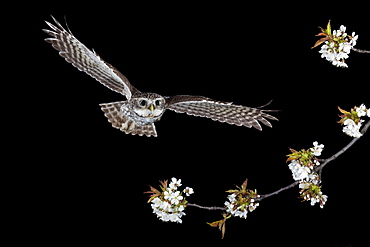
(86, 60)
(219, 111)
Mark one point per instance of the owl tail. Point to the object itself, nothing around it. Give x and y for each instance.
(121, 122)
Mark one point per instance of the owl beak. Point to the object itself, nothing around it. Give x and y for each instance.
(151, 107)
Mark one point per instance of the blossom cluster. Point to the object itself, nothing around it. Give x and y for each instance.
(352, 120)
(169, 204)
(302, 165)
(337, 45)
(237, 208)
(241, 201)
(311, 191)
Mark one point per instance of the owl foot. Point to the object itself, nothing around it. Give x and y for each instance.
(123, 123)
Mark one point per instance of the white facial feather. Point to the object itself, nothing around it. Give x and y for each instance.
(150, 109)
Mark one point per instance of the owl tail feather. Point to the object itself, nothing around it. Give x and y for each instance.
(121, 122)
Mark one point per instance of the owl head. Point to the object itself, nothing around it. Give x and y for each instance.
(148, 105)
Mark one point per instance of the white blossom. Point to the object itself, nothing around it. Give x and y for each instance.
(176, 197)
(167, 194)
(314, 178)
(170, 205)
(188, 191)
(299, 172)
(163, 216)
(320, 198)
(175, 183)
(241, 210)
(242, 213)
(303, 170)
(317, 149)
(351, 128)
(175, 217)
(304, 185)
(253, 206)
(316, 197)
(314, 200)
(156, 203)
(166, 206)
(181, 208)
(354, 39)
(324, 198)
(335, 51)
(361, 111)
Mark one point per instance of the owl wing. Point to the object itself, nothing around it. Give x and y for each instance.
(219, 111)
(86, 60)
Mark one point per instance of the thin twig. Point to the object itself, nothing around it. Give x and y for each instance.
(203, 207)
(359, 50)
(277, 192)
(326, 161)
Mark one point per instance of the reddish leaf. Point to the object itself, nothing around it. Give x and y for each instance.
(320, 41)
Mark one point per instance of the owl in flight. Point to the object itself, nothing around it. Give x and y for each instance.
(137, 114)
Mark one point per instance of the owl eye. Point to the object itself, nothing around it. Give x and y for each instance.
(158, 102)
(142, 102)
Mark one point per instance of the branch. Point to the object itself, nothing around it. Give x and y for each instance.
(359, 50)
(326, 161)
(319, 169)
(277, 192)
(364, 129)
(203, 207)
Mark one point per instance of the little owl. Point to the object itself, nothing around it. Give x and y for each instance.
(138, 113)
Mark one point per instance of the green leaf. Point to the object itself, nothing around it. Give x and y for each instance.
(328, 28)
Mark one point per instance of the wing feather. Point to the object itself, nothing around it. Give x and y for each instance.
(119, 121)
(86, 60)
(219, 111)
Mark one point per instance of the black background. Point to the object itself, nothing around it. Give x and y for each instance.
(87, 182)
